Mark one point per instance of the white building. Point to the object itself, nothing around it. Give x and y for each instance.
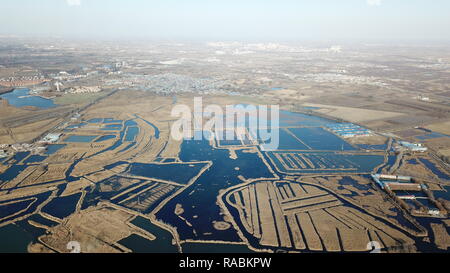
(51, 138)
(415, 147)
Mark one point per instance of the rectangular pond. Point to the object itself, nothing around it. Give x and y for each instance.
(52, 149)
(320, 139)
(80, 139)
(132, 132)
(324, 162)
(105, 138)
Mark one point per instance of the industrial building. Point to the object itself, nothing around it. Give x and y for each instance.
(3, 154)
(414, 147)
(51, 138)
(385, 180)
(347, 130)
(394, 185)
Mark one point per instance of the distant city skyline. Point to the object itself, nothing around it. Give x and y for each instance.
(280, 20)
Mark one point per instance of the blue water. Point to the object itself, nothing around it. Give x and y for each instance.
(20, 156)
(120, 139)
(17, 99)
(412, 161)
(348, 181)
(320, 139)
(51, 149)
(131, 133)
(200, 198)
(329, 162)
(230, 142)
(288, 119)
(214, 248)
(62, 207)
(128, 147)
(105, 138)
(445, 194)
(169, 160)
(139, 244)
(434, 169)
(381, 147)
(162, 243)
(111, 120)
(391, 161)
(34, 159)
(76, 126)
(13, 239)
(130, 123)
(11, 173)
(431, 136)
(310, 108)
(113, 127)
(11, 209)
(41, 220)
(95, 120)
(110, 187)
(289, 142)
(148, 192)
(35, 232)
(427, 203)
(180, 173)
(154, 127)
(256, 241)
(38, 200)
(78, 139)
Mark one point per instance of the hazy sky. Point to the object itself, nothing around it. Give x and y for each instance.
(427, 20)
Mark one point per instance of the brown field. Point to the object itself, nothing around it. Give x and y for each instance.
(370, 140)
(298, 216)
(443, 127)
(97, 229)
(441, 236)
(356, 115)
(445, 152)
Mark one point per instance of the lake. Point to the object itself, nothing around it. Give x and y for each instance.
(21, 98)
(162, 243)
(13, 239)
(175, 172)
(62, 207)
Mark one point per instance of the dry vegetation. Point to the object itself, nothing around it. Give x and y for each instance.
(97, 229)
(317, 220)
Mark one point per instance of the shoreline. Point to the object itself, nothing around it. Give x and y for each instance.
(6, 90)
